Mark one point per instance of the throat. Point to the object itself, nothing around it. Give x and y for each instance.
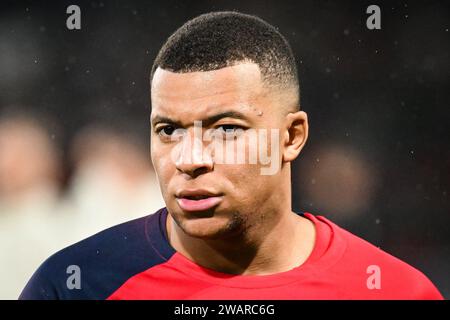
(285, 246)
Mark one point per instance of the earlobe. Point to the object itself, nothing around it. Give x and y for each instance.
(296, 135)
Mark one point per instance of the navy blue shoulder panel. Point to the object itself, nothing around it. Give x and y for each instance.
(103, 261)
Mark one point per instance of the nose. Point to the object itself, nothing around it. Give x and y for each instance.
(193, 158)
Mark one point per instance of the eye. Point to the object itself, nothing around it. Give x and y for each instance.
(229, 130)
(170, 132)
(228, 127)
(165, 131)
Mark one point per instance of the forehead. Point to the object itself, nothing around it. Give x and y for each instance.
(200, 92)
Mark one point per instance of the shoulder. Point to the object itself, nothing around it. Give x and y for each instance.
(96, 266)
(378, 272)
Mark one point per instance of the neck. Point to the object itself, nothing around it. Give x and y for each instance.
(281, 242)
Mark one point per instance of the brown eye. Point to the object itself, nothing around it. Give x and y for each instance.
(170, 133)
(228, 127)
(229, 130)
(166, 130)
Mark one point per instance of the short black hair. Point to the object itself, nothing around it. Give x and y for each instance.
(216, 40)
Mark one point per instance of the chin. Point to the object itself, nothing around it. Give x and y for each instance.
(209, 227)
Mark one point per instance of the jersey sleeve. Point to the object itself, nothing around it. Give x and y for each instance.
(424, 289)
(97, 266)
(40, 286)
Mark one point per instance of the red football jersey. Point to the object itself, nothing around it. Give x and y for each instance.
(134, 260)
(341, 266)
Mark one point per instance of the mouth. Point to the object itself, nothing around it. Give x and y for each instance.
(198, 200)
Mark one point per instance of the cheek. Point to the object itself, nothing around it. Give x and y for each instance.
(247, 177)
(162, 164)
(244, 182)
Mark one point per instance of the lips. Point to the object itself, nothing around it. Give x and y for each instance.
(198, 200)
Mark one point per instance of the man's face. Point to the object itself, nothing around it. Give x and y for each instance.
(233, 105)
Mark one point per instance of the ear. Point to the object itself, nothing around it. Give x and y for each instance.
(296, 134)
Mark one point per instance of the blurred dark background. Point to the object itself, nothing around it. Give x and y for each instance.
(377, 160)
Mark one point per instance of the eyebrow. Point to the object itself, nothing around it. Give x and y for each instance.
(206, 121)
